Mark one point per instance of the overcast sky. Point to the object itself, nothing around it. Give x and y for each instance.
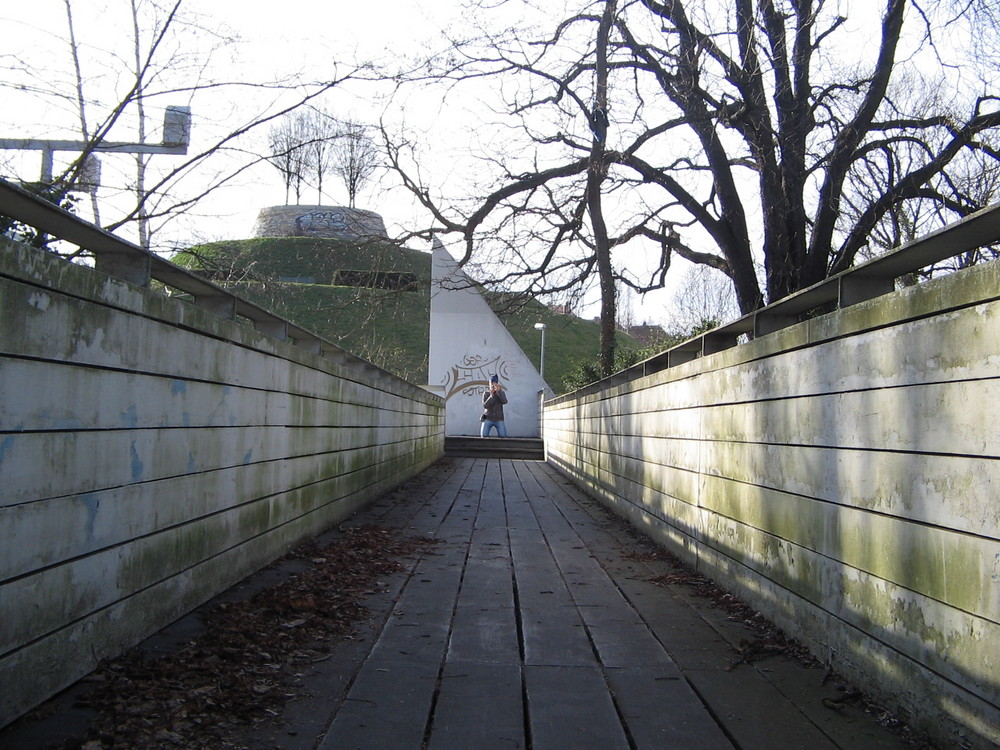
(290, 37)
(286, 37)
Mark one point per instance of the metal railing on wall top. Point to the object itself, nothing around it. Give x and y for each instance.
(124, 260)
(858, 284)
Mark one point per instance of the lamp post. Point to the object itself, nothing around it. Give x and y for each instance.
(176, 139)
(541, 364)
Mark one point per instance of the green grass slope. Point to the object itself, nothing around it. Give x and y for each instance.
(389, 327)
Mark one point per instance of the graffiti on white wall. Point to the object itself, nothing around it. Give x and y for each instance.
(468, 345)
(471, 376)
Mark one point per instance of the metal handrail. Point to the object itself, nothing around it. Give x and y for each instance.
(858, 284)
(129, 262)
(124, 260)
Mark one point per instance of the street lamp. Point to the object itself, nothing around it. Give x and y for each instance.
(541, 364)
(176, 139)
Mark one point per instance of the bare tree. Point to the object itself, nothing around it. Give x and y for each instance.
(597, 173)
(322, 131)
(173, 57)
(141, 160)
(759, 92)
(971, 181)
(544, 203)
(152, 24)
(354, 158)
(287, 140)
(703, 300)
(81, 101)
(731, 135)
(83, 174)
(310, 143)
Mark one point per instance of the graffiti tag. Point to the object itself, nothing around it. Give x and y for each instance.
(471, 376)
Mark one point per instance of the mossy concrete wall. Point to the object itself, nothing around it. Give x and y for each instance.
(152, 455)
(841, 475)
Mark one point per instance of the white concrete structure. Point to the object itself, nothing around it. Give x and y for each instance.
(468, 344)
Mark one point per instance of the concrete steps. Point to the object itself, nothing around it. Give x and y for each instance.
(461, 446)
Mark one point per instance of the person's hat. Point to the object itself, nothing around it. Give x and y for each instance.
(494, 379)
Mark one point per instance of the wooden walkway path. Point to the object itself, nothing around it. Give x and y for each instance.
(535, 625)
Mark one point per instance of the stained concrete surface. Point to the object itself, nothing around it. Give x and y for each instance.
(533, 623)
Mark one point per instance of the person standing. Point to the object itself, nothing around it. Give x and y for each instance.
(493, 400)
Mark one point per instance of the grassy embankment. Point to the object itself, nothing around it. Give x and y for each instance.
(297, 279)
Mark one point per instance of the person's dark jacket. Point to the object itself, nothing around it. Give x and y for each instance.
(493, 405)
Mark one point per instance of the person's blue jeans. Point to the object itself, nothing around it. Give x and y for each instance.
(487, 425)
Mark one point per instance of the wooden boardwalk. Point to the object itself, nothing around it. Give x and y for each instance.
(535, 625)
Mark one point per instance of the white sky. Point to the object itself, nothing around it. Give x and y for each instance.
(300, 39)
(285, 37)
(281, 37)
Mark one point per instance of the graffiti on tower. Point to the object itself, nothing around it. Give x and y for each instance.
(321, 223)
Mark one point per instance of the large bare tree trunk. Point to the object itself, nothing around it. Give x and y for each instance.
(596, 173)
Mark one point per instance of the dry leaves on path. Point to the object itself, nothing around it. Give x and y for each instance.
(768, 640)
(237, 672)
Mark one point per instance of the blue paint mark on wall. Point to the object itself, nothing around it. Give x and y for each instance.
(136, 464)
(92, 503)
(130, 418)
(247, 456)
(178, 387)
(192, 466)
(4, 445)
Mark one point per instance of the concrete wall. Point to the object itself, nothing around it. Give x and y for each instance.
(332, 222)
(152, 454)
(842, 476)
(469, 344)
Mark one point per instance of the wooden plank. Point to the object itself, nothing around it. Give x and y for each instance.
(485, 624)
(849, 727)
(50, 325)
(484, 635)
(755, 714)
(923, 487)
(570, 707)
(90, 583)
(930, 418)
(662, 711)
(90, 462)
(421, 620)
(623, 640)
(492, 508)
(388, 706)
(552, 629)
(520, 516)
(479, 706)
(390, 703)
(47, 664)
(616, 630)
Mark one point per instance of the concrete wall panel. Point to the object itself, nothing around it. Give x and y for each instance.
(152, 455)
(468, 345)
(840, 475)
